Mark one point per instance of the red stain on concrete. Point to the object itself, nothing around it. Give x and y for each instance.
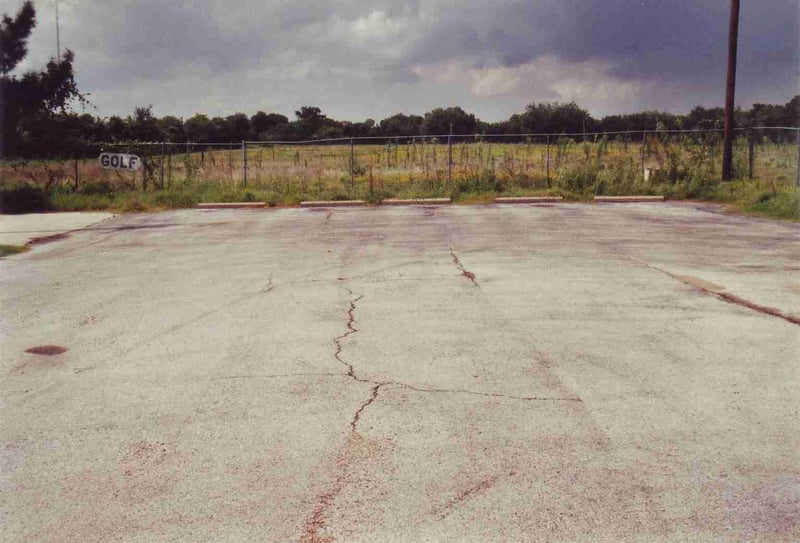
(351, 498)
(471, 491)
(47, 350)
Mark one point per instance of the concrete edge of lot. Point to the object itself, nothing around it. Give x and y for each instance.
(36, 228)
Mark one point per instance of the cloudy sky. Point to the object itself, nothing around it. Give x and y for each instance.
(357, 59)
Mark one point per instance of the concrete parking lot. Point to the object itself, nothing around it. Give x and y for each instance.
(567, 372)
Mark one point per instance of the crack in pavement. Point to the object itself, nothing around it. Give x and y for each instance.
(486, 394)
(465, 272)
(723, 296)
(272, 376)
(351, 329)
(372, 398)
(316, 520)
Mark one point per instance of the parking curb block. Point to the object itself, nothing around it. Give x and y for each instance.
(625, 199)
(416, 201)
(231, 205)
(333, 203)
(528, 199)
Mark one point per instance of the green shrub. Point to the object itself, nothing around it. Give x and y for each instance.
(24, 199)
(175, 199)
(134, 204)
(6, 250)
(781, 205)
(578, 177)
(71, 201)
(98, 187)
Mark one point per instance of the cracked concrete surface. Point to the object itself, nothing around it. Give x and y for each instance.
(290, 375)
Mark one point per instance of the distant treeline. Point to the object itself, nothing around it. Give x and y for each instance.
(69, 134)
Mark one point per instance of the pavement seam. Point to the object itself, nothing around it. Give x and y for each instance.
(723, 296)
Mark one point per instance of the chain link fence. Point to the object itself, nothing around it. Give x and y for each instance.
(617, 162)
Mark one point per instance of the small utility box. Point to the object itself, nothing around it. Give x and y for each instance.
(650, 173)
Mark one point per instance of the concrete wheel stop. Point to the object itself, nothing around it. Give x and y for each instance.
(527, 199)
(628, 199)
(415, 201)
(333, 203)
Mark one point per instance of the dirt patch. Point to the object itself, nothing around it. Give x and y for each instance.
(357, 484)
(46, 350)
(467, 493)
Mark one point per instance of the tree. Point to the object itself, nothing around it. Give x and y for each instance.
(197, 129)
(701, 117)
(14, 34)
(438, 121)
(309, 120)
(143, 126)
(401, 125)
(28, 103)
(792, 112)
(238, 127)
(551, 118)
(171, 129)
(116, 128)
(262, 123)
(219, 130)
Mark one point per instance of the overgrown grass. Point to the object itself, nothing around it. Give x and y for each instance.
(773, 200)
(579, 181)
(7, 250)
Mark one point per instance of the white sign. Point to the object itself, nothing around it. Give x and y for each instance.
(120, 161)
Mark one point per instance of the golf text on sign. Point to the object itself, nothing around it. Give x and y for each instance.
(120, 161)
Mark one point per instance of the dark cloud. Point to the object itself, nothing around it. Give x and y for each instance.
(357, 59)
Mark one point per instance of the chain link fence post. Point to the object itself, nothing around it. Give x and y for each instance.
(450, 157)
(244, 163)
(644, 144)
(751, 153)
(352, 167)
(162, 165)
(797, 180)
(547, 161)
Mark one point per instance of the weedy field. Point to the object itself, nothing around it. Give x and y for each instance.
(676, 166)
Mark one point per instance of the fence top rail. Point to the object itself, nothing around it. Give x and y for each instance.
(173, 143)
(437, 136)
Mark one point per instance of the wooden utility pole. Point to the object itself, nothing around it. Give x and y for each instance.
(58, 36)
(730, 91)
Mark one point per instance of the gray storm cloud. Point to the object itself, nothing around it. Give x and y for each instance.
(371, 59)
